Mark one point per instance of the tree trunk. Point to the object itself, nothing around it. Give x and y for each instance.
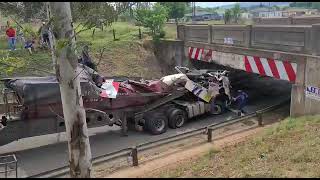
(72, 104)
(51, 38)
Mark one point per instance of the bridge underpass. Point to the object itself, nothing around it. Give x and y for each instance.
(288, 53)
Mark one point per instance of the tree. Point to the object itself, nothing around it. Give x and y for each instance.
(227, 16)
(276, 7)
(236, 12)
(24, 10)
(175, 9)
(154, 18)
(72, 104)
(99, 14)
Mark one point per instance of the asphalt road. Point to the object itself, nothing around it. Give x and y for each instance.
(47, 152)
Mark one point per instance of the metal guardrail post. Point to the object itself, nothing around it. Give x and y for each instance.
(114, 34)
(5, 171)
(134, 155)
(259, 116)
(16, 169)
(209, 130)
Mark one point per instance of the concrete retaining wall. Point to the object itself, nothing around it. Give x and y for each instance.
(171, 53)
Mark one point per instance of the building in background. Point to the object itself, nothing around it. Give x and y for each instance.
(268, 13)
(204, 16)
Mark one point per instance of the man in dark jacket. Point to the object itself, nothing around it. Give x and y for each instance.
(86, 59)
(44, 32)
(241, 99)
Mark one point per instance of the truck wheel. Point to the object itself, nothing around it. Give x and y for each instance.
(176, 118)
(156, 123)
(218, 108)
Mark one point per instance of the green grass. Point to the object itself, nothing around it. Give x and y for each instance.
(124, 56)
(288, 149)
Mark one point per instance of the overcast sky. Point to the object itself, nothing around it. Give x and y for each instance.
(213, 4)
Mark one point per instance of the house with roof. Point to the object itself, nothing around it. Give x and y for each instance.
(204, 16)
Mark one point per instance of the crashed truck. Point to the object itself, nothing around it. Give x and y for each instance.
(33, 104)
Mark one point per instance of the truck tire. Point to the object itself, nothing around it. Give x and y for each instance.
(218, 108)
(176, 118)
(156, 123)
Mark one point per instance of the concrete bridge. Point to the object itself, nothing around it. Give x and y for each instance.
(287, 52)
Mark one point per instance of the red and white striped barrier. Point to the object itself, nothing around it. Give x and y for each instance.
(200, 54)
(270, 67)
(264, 66)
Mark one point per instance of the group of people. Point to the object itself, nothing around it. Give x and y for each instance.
(14, 36)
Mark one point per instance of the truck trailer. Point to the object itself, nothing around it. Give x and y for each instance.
(33, 104)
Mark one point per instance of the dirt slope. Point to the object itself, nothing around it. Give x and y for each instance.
(132, 59)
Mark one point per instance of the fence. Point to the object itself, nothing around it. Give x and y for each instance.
(6, 161)
(287, 20)
(132, 152)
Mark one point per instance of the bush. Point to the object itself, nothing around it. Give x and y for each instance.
(29, 32)
(162, 34)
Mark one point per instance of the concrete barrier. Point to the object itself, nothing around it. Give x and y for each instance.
(301, 20)
(312, 74)
(180, 32)
(282, 38)
(240, 34)
(272, 21)
(198, 33)
(289, 38)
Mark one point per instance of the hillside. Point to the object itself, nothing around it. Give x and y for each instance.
(127, 56)
(288, 149)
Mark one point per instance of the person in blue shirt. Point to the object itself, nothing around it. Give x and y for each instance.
(29, 45)
(241, 99)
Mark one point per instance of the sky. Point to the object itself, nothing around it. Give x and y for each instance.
(213, 4)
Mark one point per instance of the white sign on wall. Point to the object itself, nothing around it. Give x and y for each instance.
(313, 92)
(228, 40)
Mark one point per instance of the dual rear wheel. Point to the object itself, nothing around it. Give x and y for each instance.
(158, 122)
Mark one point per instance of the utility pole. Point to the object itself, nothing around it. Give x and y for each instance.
(73, 112)
(194, 9)
(193, 5)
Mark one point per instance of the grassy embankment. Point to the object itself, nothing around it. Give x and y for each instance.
(288, 149)
(121, 57)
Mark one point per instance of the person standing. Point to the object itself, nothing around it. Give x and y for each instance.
(241, 99)
(44, 33)
(86, 59)
(226, 84)
(11, 33)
